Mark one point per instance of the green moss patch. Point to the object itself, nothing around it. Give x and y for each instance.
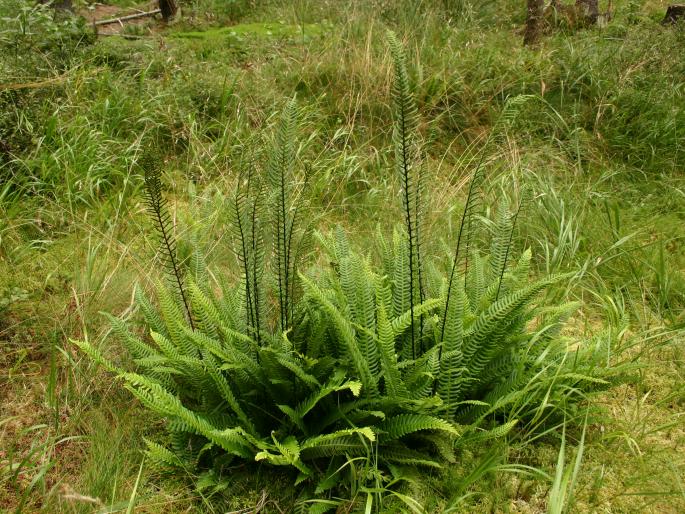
(258, 30)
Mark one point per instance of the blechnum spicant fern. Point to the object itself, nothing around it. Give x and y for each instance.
(408, 167)
(308, 368)
(235, 379)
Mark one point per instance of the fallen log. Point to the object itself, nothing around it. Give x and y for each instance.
(126, 18)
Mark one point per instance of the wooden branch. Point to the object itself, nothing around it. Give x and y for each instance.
(126, 18)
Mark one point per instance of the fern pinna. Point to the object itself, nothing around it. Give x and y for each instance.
(362, 363)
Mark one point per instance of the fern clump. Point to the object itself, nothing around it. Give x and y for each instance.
(490, 347)
(396, 363)
(291, 386)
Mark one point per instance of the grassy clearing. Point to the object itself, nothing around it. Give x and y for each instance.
(593, 122)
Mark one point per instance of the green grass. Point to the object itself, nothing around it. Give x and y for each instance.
(593, 121)
(260, 30)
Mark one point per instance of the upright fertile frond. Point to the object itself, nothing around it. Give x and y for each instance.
(408, 168)
(247, 215)
(473, 204)
(157, 207)
(280, 174)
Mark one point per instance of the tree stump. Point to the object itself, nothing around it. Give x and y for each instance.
(673, 14)
(588, 11)
(534, 21)
(168, 9)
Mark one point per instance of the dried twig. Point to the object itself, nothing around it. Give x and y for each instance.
(126, 18)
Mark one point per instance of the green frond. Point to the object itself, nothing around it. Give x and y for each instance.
(292, 364)
(155, 397)
(151, 315)
(478, 349)
(404, 424)
(394, 387)
(137, 348)
(358, 286)
(173, 321)
(95, 355)
(161, 456)
(403, 321)
(336, 384)
(204, 310)
(341, 445)
(451, 359)
(347, 336)
(226, 392)
(327, 439)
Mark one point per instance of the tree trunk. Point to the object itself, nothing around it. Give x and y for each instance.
(673, 13)
(588, 11)
(534, 20)
(168, 8)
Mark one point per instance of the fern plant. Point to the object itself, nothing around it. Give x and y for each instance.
(311, 368)
(236, 380)
(470, 351)
(479, 353)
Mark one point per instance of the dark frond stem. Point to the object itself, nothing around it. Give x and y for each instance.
(257, 251)
(418, 205)
(290, 265)
(408, 221)
(161, 219)
(280, 169)
(284, 253)
(476, 202)
(471, 202)
(241, 199)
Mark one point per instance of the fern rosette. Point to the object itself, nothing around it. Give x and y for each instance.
(396, 363)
